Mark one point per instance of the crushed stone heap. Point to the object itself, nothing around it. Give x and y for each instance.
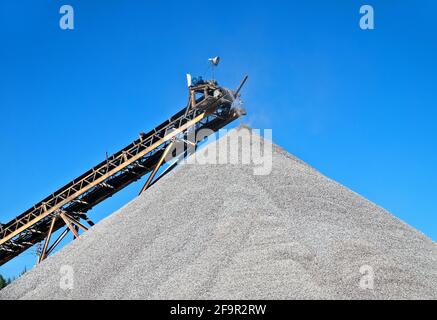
(221, 232)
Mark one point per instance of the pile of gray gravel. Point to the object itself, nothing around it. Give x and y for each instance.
(221, 232)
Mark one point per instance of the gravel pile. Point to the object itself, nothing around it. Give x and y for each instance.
(221, 232)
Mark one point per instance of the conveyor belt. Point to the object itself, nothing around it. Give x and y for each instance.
(68, 205)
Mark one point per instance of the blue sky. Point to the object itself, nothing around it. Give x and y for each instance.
(360, 106)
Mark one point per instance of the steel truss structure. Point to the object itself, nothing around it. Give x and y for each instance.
(209, 107)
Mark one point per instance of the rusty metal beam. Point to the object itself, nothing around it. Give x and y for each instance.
(158, 165)
(68, 223)
(75, 222)
(46, 242)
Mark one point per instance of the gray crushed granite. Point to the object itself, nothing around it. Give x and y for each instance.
(220, 232)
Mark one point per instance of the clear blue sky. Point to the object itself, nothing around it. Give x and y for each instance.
(360, 106)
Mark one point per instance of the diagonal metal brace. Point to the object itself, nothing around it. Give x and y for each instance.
(158, 165)
(46, 242)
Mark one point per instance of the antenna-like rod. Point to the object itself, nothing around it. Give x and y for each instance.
(240, 86)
